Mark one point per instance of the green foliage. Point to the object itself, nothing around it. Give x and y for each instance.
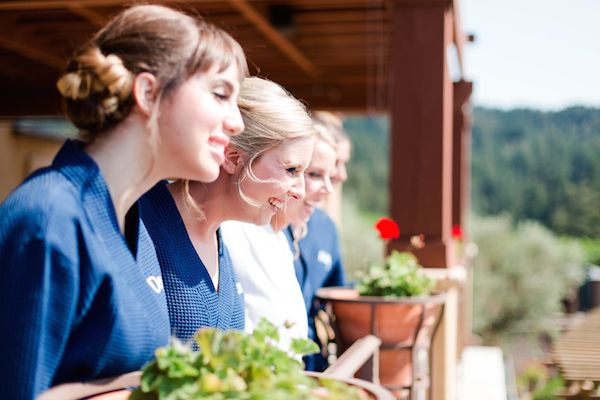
(541, 166)
(520, 276)
(360, 244)
(368, 168)
(399, 276)
(591, 247)
(538, 384)
(234, 365)
(533, 165)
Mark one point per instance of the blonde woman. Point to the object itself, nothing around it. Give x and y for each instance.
(81, 296)
(263, 168)
(312, 233)
(260, 255)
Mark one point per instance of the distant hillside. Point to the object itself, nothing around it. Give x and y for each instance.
(368, 169)
(535, 165)
(539, 165)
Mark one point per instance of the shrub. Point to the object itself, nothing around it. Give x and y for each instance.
(520, 276)
(360, 244)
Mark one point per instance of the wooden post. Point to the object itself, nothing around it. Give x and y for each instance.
(461, 152)
(421, 116)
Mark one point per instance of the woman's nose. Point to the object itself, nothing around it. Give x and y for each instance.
(234, 124)
(328, 186)
(297, 191)
(343, 173)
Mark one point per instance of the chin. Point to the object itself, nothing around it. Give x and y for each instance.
(209, 174)
(304, 217)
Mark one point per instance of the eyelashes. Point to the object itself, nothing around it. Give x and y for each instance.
(293, 171)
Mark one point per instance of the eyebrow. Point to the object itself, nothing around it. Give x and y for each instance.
(225, 82)
(292, 164)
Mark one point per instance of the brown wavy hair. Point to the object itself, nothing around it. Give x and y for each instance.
(165, 42)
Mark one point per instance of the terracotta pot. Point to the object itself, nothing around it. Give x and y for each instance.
(399, 323)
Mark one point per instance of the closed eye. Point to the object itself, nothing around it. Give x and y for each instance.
(221, 95)
(222, 90)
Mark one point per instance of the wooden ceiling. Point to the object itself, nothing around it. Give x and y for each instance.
(330, 53)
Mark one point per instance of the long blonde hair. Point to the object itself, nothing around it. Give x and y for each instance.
(272, 116)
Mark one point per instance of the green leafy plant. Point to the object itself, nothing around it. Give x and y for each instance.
(400, 275)
(235, 365)
(536, 382)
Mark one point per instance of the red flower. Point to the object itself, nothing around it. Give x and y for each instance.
(387, 228)
(457, 232)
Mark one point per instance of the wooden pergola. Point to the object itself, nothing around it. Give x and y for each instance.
(349, 55)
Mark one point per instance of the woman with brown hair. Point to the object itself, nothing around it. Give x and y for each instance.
(81, 297)
(263, 168)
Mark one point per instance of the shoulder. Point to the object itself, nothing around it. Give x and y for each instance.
(43, 225)
(322, 231)
(320, 220)
(47, 204)
(236, 230)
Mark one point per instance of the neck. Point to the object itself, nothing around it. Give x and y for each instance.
(125, 159)
(210, 202)
(281, 221)
(214, 203)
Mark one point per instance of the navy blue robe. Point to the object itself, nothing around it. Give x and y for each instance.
(318, 265)
(191, 296)
(78, 300)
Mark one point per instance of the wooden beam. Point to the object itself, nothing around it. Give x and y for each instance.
(54, 4)
(278, 40)
(91, 16)
(14, 73)
(31, 52)
(17, 102)
(58, 4)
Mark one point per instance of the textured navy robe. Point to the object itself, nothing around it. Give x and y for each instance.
(191, 296)
(78, 300)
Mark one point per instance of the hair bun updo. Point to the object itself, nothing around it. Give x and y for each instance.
(100, 84)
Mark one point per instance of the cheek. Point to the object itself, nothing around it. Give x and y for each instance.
(282, 186)
(294, 209)
(312, 187)
(266, 190)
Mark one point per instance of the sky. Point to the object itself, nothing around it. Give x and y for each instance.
(541, 54)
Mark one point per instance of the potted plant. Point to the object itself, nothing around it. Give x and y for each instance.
(394, 302)
(236, 365)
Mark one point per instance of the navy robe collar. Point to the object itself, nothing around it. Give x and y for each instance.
(73, 162)
(221, 317)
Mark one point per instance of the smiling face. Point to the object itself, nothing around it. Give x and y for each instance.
(317, 182)
(279, 174)
(196, 121)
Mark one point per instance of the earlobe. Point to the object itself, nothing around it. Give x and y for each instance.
(145, 88)
(232, 161)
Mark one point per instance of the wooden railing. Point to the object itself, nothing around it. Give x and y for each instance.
(577, 357)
